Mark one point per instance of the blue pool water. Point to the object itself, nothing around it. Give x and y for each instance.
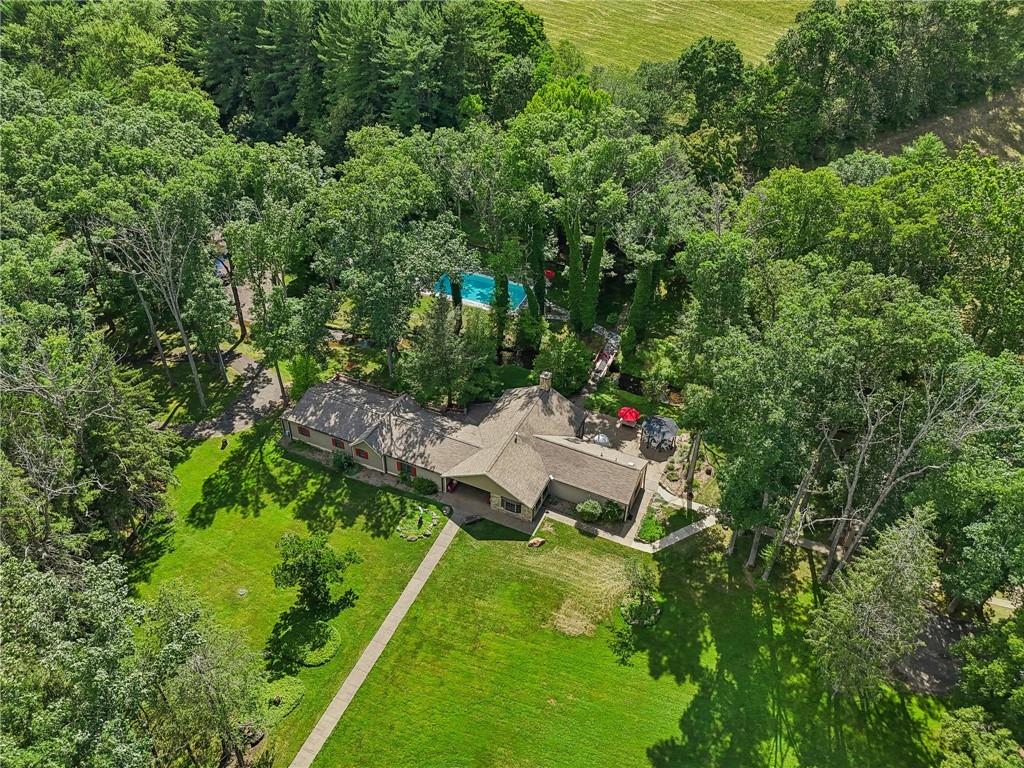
(479, 289)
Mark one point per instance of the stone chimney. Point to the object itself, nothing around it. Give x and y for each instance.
(545, 381)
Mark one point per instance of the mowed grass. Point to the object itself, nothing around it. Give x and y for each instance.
(514, 656)
(624, 33)
(177, 402)
(995, 123)
(231, 508)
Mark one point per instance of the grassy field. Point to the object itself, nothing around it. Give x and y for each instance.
(177, 401)
(517, 657)
(996, 123)
(231, 507)
(608, 399)
(625, 32)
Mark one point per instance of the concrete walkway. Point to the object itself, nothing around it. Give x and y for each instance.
(318, 736)
(593, 530)
(684, 533)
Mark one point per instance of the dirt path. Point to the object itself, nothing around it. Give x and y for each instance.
(258, 397)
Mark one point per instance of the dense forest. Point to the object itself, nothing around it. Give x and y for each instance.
(846, 329)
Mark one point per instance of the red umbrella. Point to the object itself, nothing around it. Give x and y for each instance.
(628, 413)
(549, 274)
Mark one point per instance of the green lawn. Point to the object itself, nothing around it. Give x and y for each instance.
(177, 401)
(625, 32)
(231, 508)
(514, 656)
(608, 399)
(661, 519)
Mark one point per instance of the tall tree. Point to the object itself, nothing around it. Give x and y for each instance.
(440, 362)
(163, 246)
(872, 617)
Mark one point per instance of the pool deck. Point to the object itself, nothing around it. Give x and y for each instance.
(472, 303)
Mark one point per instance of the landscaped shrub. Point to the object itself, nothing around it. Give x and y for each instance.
(424, 486)
(639, 604)
(590, 511)
(322, 645)
(344, 463)
(283, 695)
(652, 527)
(612, 510)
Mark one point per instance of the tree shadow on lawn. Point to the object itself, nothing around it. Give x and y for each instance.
(252, 472)
(758, 701)
(152, 543)
(258, 472)
(330, 500)
(299, 629)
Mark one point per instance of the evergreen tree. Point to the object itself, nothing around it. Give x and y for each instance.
(872, 617)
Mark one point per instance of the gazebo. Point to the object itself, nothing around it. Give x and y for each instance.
(659, 432)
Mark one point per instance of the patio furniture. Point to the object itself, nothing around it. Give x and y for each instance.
(659, 432)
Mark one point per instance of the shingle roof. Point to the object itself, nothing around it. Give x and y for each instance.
(602, 471)
(425, 438)
(341, 408)
(527, 435)
(508, 430)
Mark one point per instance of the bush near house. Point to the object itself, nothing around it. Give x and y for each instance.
(592, 511)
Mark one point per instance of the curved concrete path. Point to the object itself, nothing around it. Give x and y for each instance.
(329, 719)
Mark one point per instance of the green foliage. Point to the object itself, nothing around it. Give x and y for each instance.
(283, 696)
(568, 360)
(590, 510)
(970, 740)
(69, 666)
(424, 486)
(593, 510)
(874, 614)
(990, 674)
(312, 565)
(344, 463)
(442, 364)
(321, 646)
(640, 605)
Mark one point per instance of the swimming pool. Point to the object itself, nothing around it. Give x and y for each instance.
(478, 289)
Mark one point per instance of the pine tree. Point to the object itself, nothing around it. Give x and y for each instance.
(874, 614)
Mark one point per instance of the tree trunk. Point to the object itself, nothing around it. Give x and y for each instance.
(457, 303)
(223, 368)
(691, 465)
(152, 331)
(238, 304)
(280, 383)
(837, 537)
(191, 359)
(389, 355)
(798, 501)
(729, 550)
(752, 558)
(833, 546)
